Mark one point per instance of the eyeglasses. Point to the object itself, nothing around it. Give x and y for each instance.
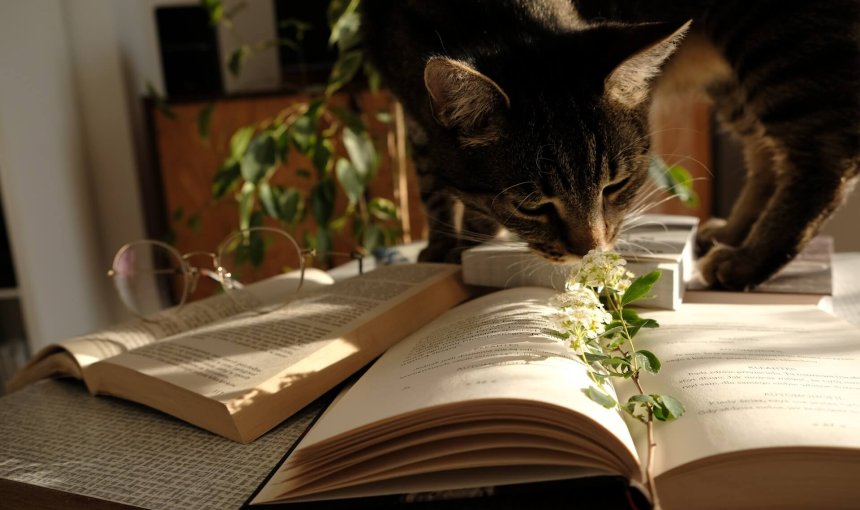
(151, 276)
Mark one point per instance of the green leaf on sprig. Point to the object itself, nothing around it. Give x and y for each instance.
(592, 357)
(600, 397)
(640, 287)
(303, 173)
(647, 360)
(556, 334)
(667, 408)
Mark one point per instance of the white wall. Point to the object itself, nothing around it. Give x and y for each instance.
(44, 175)
(72, 137)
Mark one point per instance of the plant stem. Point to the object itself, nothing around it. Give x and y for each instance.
(652, 446)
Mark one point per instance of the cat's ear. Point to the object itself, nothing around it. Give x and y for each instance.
(635, 55)
(464, 99)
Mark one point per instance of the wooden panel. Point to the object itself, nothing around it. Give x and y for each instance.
(681, 134)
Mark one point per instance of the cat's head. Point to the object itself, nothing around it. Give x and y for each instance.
(550, 137)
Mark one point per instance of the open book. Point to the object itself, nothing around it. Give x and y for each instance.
(650, 242)
(484, 396)
(239, 373)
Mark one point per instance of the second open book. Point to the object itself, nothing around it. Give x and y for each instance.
(485, 396)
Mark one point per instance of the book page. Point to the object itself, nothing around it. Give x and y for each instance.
(494, 349)
(231, 359)
(136, 333)
(753, 377)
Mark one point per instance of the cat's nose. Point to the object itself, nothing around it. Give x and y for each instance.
(579, 241)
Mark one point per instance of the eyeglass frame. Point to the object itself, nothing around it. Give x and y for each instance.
(192, 272)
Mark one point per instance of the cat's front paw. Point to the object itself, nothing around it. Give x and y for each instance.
(709, 234)
(730, 268)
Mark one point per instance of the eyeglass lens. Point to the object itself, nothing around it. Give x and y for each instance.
(149, 277)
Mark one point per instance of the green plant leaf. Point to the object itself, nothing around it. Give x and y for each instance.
(675, 179)
(322, 202)
(291, 206)
(259, 158)
(640, 287)
(349, 180)
(362, 153)
(344, 70)
(667, 408)
(204, 121)
(371, 237)
(350, 119)
(322, 156)
(268, 195)
(237, 58)
(225, 178)
(599, 396)
(214, 10)
(346, 32)
(303, 173)
(239, 142)
(592, 357)
(647, 360)
(374, 78)
(193, 223)
(323, 244)
(303, 133)
(382, 208)
(246, 204)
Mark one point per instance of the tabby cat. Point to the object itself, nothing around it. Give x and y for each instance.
(533, 115)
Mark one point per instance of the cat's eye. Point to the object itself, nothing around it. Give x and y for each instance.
(536, 210)
(615, 187)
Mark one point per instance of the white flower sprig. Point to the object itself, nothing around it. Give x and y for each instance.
(591, 316)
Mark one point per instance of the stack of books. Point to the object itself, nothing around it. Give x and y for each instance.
(652, 242)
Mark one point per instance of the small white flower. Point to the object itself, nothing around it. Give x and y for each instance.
(580, 313)
(601, 270)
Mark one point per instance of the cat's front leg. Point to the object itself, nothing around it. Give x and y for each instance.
(806, 196)
(753, 199)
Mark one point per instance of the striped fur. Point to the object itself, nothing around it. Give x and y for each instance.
(552, 142)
